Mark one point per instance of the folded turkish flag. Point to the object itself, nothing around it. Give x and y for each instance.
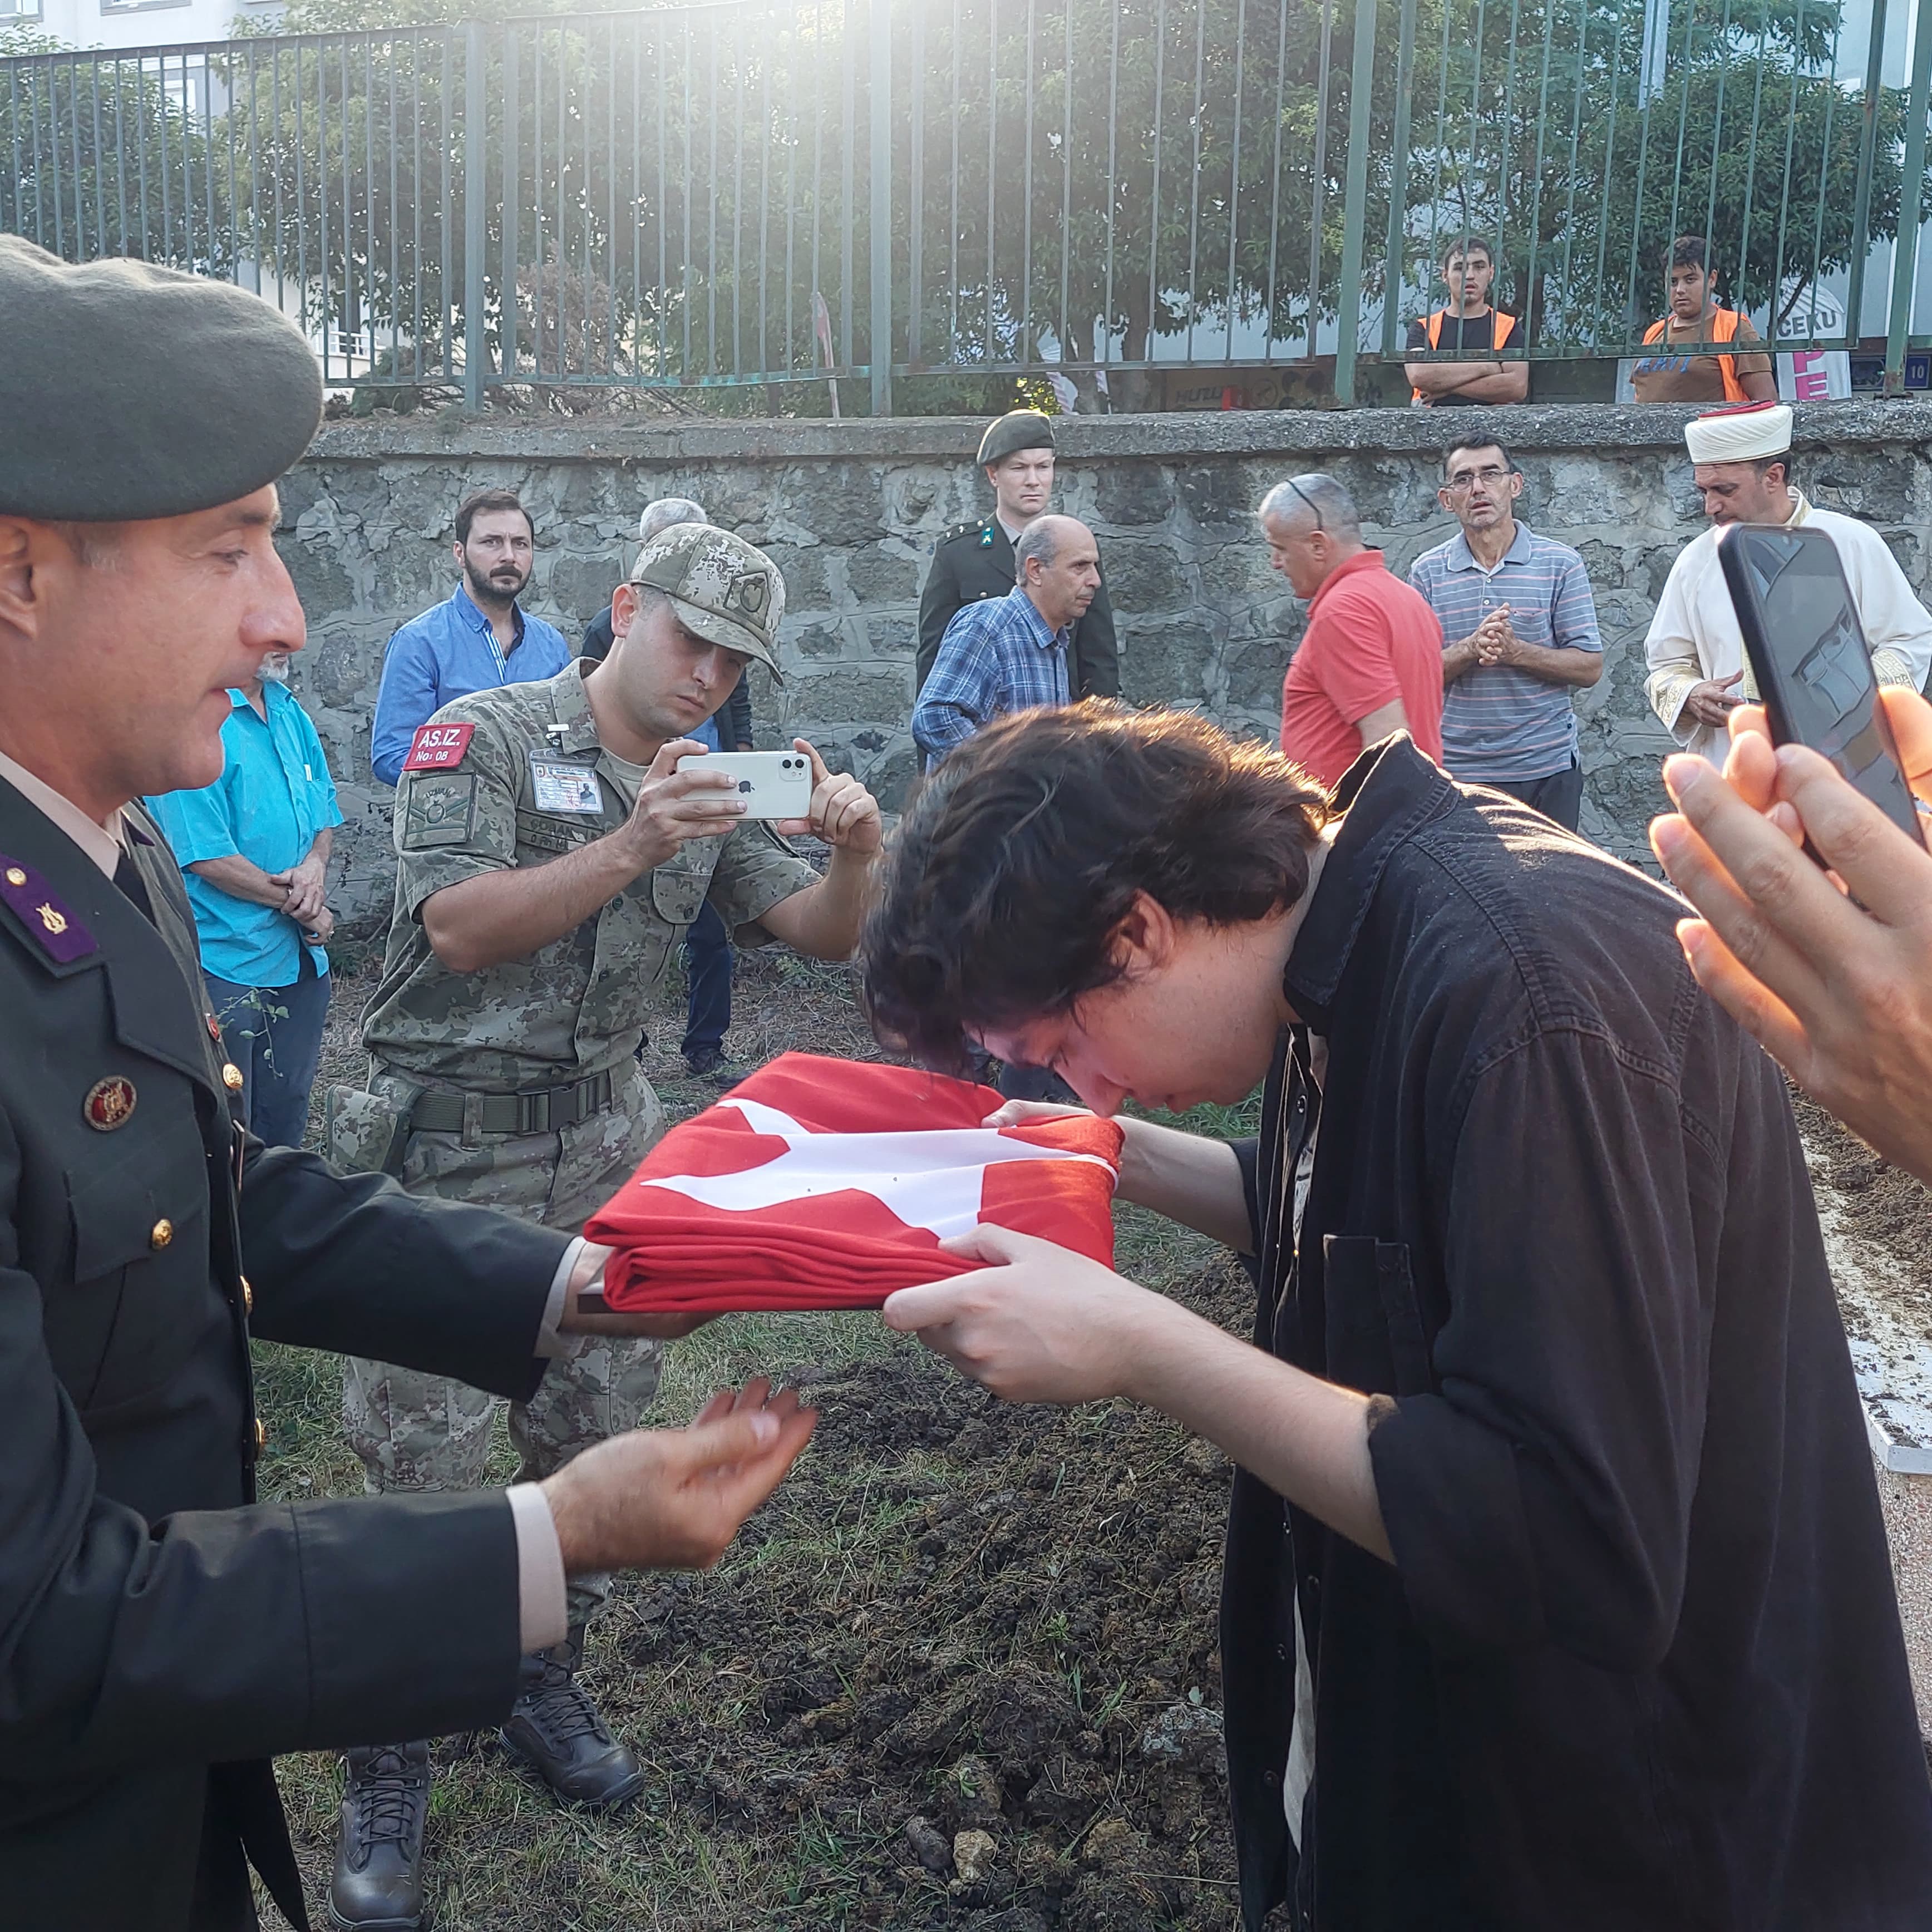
(828, 1184)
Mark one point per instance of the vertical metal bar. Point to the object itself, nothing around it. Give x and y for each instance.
(1026, 343)
(1530, 312)
(207, 155)
(767, 135)
(322, 172)
(958, 115)
(881, 186)
(17, 192)
(849, 212)
(1911, 202)
(1717, 135)
(100, 170)
(1776, 313)
(794, 44)
(664, 210)
(445, 237)
(1113, 178)
(394, 50)
(916, 213)
(475, 109)
(1824, 173)
(684, 301)
(513, 185)
(1194, 180)
(1354, 205)
(1855, 294)
(1153, 204)
(1319, 165)
(737, 208)
(1394, 251)
(1274, 177)
(1234, 195)
(416, 205)
(141, 156)
(1066, 163)
(53, 156)
(636, 203)
(1575, 140)
(992, 159)
(610, 197)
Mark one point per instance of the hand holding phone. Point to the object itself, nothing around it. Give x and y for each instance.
(1807, 653)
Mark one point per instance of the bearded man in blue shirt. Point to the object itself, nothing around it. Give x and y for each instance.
(253, 849)
(479, 637)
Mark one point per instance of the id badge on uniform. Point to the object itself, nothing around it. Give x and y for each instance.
(560, 784)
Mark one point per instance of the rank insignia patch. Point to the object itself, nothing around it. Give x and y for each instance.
(55, 927)
(110, 1103)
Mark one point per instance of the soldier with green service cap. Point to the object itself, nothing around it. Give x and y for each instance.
(162, 1633)
(552, 855)
(975, 560)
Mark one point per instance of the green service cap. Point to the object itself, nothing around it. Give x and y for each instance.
(1017, 430)
(130, 392)
(726, 591)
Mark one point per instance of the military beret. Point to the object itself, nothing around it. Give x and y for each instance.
(130, 392)
(1017, 430)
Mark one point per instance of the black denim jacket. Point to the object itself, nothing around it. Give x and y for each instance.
(1638, 1664)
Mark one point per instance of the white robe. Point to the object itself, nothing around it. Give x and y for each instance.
(1694, 636)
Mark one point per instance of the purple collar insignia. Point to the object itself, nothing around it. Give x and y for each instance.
(57, 931)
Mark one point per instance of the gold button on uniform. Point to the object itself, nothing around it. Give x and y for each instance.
(161, 1233)
(261, 1436)
(231, 1078)
(247, 1297)
(15, 876)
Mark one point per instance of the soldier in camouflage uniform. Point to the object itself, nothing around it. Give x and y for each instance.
(550, 858)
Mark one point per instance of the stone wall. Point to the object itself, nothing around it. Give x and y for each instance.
(851, 512)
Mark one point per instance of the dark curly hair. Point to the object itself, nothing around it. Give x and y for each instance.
(1012, 870)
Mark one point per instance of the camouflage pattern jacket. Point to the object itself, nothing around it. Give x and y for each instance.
(528, 782)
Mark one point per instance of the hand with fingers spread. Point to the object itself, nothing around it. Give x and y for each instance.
(1838, 988)
(1038, 1323)
(673, 1499)
(843, 813)
(673, 805)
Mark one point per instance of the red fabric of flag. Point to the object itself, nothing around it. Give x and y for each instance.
(828, 1184)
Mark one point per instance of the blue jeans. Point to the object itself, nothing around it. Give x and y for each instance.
(274, 1034)
(707, 964)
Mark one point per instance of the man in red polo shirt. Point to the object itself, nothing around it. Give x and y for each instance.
(1370, 661)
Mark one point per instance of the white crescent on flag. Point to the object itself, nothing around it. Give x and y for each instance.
(931, 1179)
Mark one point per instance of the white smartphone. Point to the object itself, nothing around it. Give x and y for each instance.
(772, 784)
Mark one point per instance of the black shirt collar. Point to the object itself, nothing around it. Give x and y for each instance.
(1384, 797)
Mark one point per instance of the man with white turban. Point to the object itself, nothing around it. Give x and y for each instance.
(1742, 470)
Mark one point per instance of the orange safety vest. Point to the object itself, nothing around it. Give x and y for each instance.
(1504, 328)
(1724, 328)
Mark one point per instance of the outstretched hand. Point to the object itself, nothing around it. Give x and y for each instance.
(673, 1499)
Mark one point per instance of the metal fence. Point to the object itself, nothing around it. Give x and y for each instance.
(767, 191)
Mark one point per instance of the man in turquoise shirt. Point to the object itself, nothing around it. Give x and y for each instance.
(254, 848)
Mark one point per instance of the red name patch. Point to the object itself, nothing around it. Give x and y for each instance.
(435, 746)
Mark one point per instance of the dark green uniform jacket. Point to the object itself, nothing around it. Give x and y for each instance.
(976, 560)
(161, 1634)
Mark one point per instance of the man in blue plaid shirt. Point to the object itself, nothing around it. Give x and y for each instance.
(1009, 653)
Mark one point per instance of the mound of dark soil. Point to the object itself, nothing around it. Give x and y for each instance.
(1006, 1715)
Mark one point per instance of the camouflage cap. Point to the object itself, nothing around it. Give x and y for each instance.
(727, 591)
(1017, 430)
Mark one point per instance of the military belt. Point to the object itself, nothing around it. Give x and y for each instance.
(543, 1112)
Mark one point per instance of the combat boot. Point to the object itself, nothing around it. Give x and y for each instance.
(378, 1883)
(556, 1729)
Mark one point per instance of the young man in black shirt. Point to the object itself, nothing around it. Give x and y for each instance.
(1468, 323)
(1551, 1462)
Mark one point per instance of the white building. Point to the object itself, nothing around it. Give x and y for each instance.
(136, 23)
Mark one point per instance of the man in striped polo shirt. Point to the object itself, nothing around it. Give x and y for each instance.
(1520, 631)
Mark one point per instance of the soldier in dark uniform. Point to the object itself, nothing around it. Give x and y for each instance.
(162, 1633)
(975, 560)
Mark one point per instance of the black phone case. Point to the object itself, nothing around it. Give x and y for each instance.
(1769, 675)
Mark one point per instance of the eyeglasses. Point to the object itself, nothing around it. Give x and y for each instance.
(1462, 480)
